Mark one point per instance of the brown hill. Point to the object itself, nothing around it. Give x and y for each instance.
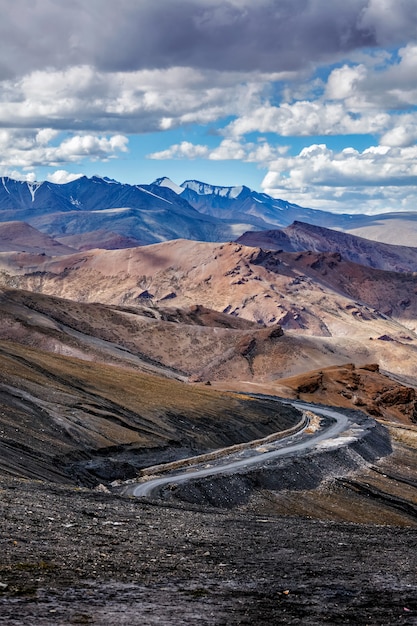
(19, 236)
(332, 311)
(315, 293)
(199, 345)
(348, 386)
(300, 237)
(104, 239)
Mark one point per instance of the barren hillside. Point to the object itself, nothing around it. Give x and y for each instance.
(308, 291)
(197, 344)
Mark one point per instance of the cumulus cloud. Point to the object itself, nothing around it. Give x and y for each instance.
(26, 149)
(355, 99)
(344, 80)
(228, 150)
(392, 86)
(403, 134)
(327, 179)
(80, 99)
(59, 177)
(29, 177)
(183, 150)
(307, 118)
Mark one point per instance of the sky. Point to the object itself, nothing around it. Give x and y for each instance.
(311, 101)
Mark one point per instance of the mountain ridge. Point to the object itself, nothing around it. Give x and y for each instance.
(303, 237)
(160, 211)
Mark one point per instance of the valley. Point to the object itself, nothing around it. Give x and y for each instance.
(138, 359)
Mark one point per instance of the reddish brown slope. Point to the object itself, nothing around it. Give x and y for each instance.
(365, 388)
(315, 293)
(304, 237)
(19, 236)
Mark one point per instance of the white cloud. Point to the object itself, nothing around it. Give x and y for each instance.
(349, 180)
(404, 134)
(227, 150)
(362, 99)
(342, 81)
(59, 177)
(79, 146)
(45, 135)
(183, 150)
(308, 119)
(250, 152)
(27, 149)
(391, 86)
(82, 99)
(29, 177)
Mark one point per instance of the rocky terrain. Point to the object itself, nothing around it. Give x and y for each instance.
(89, 396)
(60, 416)
(112, 361)
(232, 352)
(264, 286)
(73, 556)
(332, 311)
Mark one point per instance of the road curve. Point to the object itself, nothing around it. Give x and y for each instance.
(283, 447)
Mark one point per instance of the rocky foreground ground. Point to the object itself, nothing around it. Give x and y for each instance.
(79, 556)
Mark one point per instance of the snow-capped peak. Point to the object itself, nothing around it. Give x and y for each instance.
(167, 182)
(203, 189)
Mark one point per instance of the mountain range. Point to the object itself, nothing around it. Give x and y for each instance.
(101, 212)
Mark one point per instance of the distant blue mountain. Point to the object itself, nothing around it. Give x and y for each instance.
(161, 211)
(244, 203)
(84, 194)
(147, 213)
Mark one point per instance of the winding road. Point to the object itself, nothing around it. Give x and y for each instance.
(339, 430)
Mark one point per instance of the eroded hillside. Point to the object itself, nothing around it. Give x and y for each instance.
(57, 411)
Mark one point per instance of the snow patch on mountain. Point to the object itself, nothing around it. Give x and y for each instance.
(115, 210)
(4, 184)
(75, 202)
(153, 194)
(167, 182)
(203, 189)
(33, 188)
